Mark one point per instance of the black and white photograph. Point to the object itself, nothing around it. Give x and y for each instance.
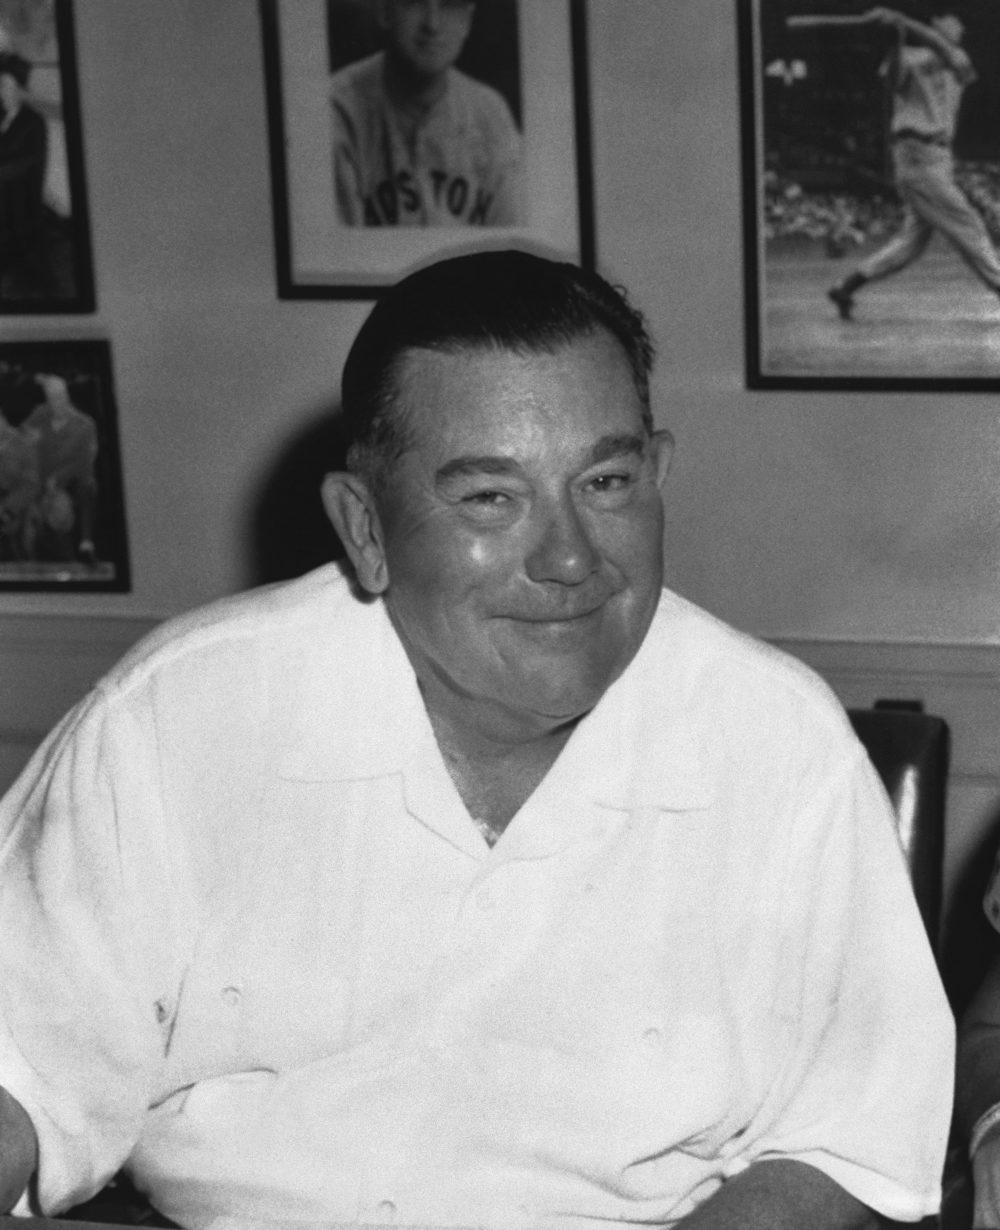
(872, 193)
(401, 129)
(62, 518)
(500, 619)
(45, 255)
(420, 134)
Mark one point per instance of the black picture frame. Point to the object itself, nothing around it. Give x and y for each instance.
(60, 469)
(318, 257)
(46, 264)
(819, 197)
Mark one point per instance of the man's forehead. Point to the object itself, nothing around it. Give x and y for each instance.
(458, 358)
(492, 405)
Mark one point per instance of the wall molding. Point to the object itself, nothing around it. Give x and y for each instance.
(911, 659)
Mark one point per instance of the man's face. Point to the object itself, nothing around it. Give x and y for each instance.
(522, 530)
(427, 35)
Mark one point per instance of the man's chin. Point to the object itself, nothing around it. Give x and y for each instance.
(560, 703)
(430, 69)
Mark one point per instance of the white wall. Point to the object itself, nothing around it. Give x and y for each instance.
(863, 520)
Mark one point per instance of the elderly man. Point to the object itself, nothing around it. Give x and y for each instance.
(503, 889)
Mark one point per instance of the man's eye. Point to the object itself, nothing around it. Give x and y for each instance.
(489, 505)
(610, 482)
(485, 499)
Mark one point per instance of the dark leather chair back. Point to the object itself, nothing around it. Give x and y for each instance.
(910, 751)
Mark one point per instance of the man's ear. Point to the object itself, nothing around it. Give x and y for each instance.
(663, 452)
(350, 506)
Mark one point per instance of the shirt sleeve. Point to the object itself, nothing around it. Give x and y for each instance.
(507, 196)
(87, 982)
(347, 194)
(863, 1088)
(507, 205)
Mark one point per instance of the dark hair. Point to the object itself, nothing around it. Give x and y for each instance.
(505, 300)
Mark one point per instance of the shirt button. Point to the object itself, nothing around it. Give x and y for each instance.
(652, 1036)
(232, 996)
(386, 1210)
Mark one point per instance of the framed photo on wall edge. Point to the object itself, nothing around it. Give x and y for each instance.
(392, 145)
(45, 254)
(62, 514)
(871, 222)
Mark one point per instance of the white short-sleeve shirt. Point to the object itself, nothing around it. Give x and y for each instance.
(261, 949)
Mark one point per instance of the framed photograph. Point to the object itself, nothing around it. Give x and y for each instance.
(62, 516)
(45, 258)
(402, 130)
(871, 188)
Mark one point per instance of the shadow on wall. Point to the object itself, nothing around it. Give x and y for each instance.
(290, 533)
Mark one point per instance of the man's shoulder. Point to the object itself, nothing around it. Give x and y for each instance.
(247, 631)
(359, 81)
(714, 659)
(483, 104)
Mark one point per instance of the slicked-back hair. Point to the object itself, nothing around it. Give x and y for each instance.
(488, 301)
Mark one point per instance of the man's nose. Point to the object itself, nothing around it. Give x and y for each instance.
(563, 551)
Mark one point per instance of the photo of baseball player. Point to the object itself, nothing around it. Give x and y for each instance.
(25, 264)
(44, 235)
(65, 440)
(61, 514)
(929, 73)
(19, 486)
(877, 165)
(418, 140)
(49, 487)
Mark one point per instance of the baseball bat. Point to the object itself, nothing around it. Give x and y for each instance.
(802, 21)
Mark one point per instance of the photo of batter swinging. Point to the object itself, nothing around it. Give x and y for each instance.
(878, 190)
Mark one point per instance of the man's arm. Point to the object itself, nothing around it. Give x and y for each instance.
(781, 1195)
(977, 1093)
(18, 1150)
(953, 55)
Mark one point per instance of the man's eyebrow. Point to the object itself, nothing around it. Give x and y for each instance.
(609, 447)
(605, 449)
(459, 467)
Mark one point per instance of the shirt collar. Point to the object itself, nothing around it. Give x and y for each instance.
(641, 746)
